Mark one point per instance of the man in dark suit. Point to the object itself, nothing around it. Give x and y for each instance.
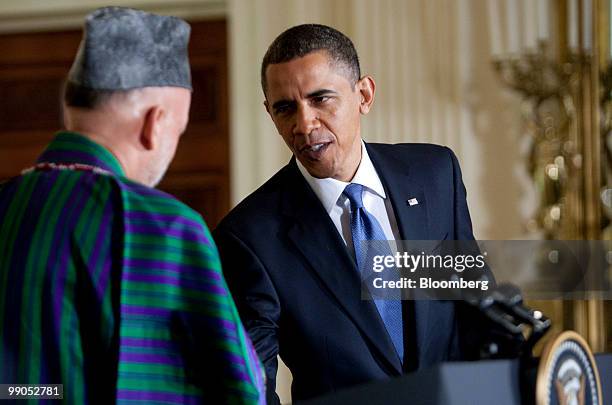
(288, 249)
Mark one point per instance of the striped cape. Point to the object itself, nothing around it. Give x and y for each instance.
(114, 289)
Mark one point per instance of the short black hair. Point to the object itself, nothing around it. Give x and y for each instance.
(301, 40)
(75, 95)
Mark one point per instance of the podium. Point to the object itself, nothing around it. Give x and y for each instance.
(482, 382)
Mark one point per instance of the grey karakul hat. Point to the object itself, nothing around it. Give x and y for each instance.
(124, 49)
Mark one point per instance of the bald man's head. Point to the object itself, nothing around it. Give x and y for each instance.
(141, 127)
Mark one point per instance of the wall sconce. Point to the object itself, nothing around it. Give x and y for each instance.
(552, 70)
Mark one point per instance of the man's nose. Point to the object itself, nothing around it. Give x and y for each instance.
(306, 120)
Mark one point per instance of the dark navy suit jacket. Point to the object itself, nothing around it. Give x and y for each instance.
(297, 287)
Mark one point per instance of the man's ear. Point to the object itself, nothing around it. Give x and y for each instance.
(366, 87)
(151, 127)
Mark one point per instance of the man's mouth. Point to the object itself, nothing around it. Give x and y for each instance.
(315, 150)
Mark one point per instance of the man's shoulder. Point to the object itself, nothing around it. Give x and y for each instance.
(419, 157)
(414, 150)
(141, 198)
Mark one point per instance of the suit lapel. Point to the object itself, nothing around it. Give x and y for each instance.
(316, 238)
(402, 186)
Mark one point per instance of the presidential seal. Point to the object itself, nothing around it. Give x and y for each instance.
(567, 373)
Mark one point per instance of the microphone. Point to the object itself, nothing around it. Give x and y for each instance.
(516, 328)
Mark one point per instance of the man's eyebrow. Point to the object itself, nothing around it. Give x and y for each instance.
(316, 93)
(319, 93)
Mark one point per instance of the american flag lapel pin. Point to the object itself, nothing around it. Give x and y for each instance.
(413, 201)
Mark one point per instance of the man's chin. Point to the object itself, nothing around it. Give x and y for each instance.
(318, 171)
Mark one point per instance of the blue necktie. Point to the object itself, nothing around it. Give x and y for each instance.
(365, 227)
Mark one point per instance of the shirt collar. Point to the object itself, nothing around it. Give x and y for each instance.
(328, 190)
(72, 147)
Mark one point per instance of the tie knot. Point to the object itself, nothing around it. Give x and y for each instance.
(353, 193)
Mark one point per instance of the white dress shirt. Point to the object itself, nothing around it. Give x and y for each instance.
(375, 201)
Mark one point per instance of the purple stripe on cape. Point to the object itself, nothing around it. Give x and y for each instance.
(227, 326)
(149, 264)
(163, 218)
(183, 283)
(182, 233)
(72, 213)
(143, 266)
(176, 361)
(151, 358)
(101, 237)
(141, 189)
(147, 311)
(146, 342)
